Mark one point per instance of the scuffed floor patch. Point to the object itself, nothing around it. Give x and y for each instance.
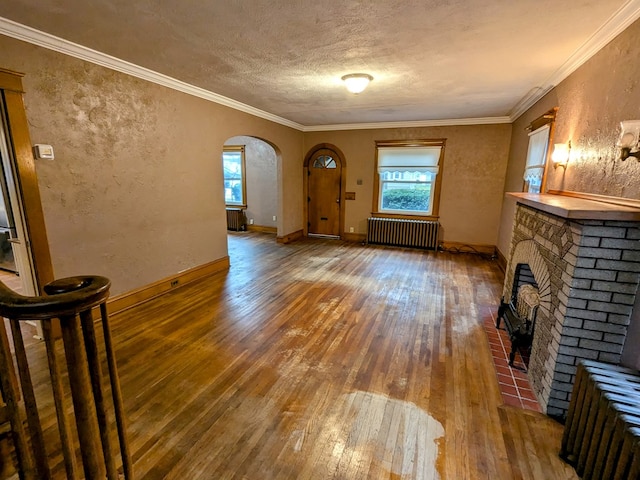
(375, 436)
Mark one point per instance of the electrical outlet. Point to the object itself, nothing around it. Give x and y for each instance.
(275, 218)
(174, 283)
(350, 229)
(251, 221)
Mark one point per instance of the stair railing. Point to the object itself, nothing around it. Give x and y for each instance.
(71, 301)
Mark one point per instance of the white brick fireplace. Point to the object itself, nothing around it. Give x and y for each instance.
(585, 258)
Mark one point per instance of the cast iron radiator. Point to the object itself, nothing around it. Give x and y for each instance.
(403, 233)
(235, 219)
(602, 432)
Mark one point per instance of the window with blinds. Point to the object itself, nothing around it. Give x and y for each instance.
(536, 159)
(407, 175)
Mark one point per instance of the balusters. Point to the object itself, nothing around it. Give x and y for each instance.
(69, 301)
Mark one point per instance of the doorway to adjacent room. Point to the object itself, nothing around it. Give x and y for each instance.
(15, 257)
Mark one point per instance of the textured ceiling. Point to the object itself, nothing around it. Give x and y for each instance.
(430, 59)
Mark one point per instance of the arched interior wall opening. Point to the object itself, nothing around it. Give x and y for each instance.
(263, 182)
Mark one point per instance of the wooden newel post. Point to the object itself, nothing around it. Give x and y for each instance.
(70, 300)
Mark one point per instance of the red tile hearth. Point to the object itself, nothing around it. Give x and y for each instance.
(514, 384)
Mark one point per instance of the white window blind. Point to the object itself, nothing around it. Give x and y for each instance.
(536, 157)
(415, 159)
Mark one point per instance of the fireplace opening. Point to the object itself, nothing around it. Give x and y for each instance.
(522, 276)
(519, 314)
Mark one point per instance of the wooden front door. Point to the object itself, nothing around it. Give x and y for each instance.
(324, 173)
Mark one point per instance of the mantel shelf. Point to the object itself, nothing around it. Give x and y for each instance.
(577, 208)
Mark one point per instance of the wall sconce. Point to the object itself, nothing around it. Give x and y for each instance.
(560, 155)
(629, 141)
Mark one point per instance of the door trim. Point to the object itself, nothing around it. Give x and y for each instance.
(26, 179)
(305, 184)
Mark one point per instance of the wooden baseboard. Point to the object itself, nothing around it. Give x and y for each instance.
(291, 237)
(468, 248)
(140, 295)
(260, 228)
(353, 237)
(502, 261)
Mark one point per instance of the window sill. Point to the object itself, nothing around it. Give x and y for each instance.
(237, 206)
(404, 216)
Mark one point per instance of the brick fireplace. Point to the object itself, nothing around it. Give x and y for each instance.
(584, 256)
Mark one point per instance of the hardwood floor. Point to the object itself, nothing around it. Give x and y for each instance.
(11, 280)
(323, 359)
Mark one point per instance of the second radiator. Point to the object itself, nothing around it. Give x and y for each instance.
(403, 233)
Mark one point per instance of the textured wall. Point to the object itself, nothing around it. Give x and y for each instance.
(592, 101)
(473, 175)
(135, 192)
(261, 178)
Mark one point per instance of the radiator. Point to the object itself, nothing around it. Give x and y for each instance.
(602, 432)
(403, 233)
(235, 219)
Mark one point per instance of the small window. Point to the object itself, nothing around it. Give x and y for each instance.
(235, 191)
(540, 136)
(324, 161)
(408, 177)
(536, 159)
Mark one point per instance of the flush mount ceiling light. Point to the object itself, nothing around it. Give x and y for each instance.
(356, 82)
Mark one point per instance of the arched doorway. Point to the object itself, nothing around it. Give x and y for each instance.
(325, 171)
(254, 185)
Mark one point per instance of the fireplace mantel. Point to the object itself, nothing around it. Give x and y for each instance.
(575, 208)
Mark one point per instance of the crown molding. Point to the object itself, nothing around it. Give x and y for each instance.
(408, 124)
(36, 37)
(616, 24)
(60, 45)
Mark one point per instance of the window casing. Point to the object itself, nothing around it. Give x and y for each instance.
(235, 182)
(408, 178)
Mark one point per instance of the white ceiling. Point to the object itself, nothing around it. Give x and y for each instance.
(432, 60)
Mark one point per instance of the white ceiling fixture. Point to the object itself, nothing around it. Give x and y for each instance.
(357, 82)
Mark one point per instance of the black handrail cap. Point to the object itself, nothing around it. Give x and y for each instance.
(63, 285)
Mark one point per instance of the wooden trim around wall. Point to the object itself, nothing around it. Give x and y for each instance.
(468, 248)
(140, 295)
(291, 237)
(26, 178)
(10, 80)
(625, 202)
(260, 228)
